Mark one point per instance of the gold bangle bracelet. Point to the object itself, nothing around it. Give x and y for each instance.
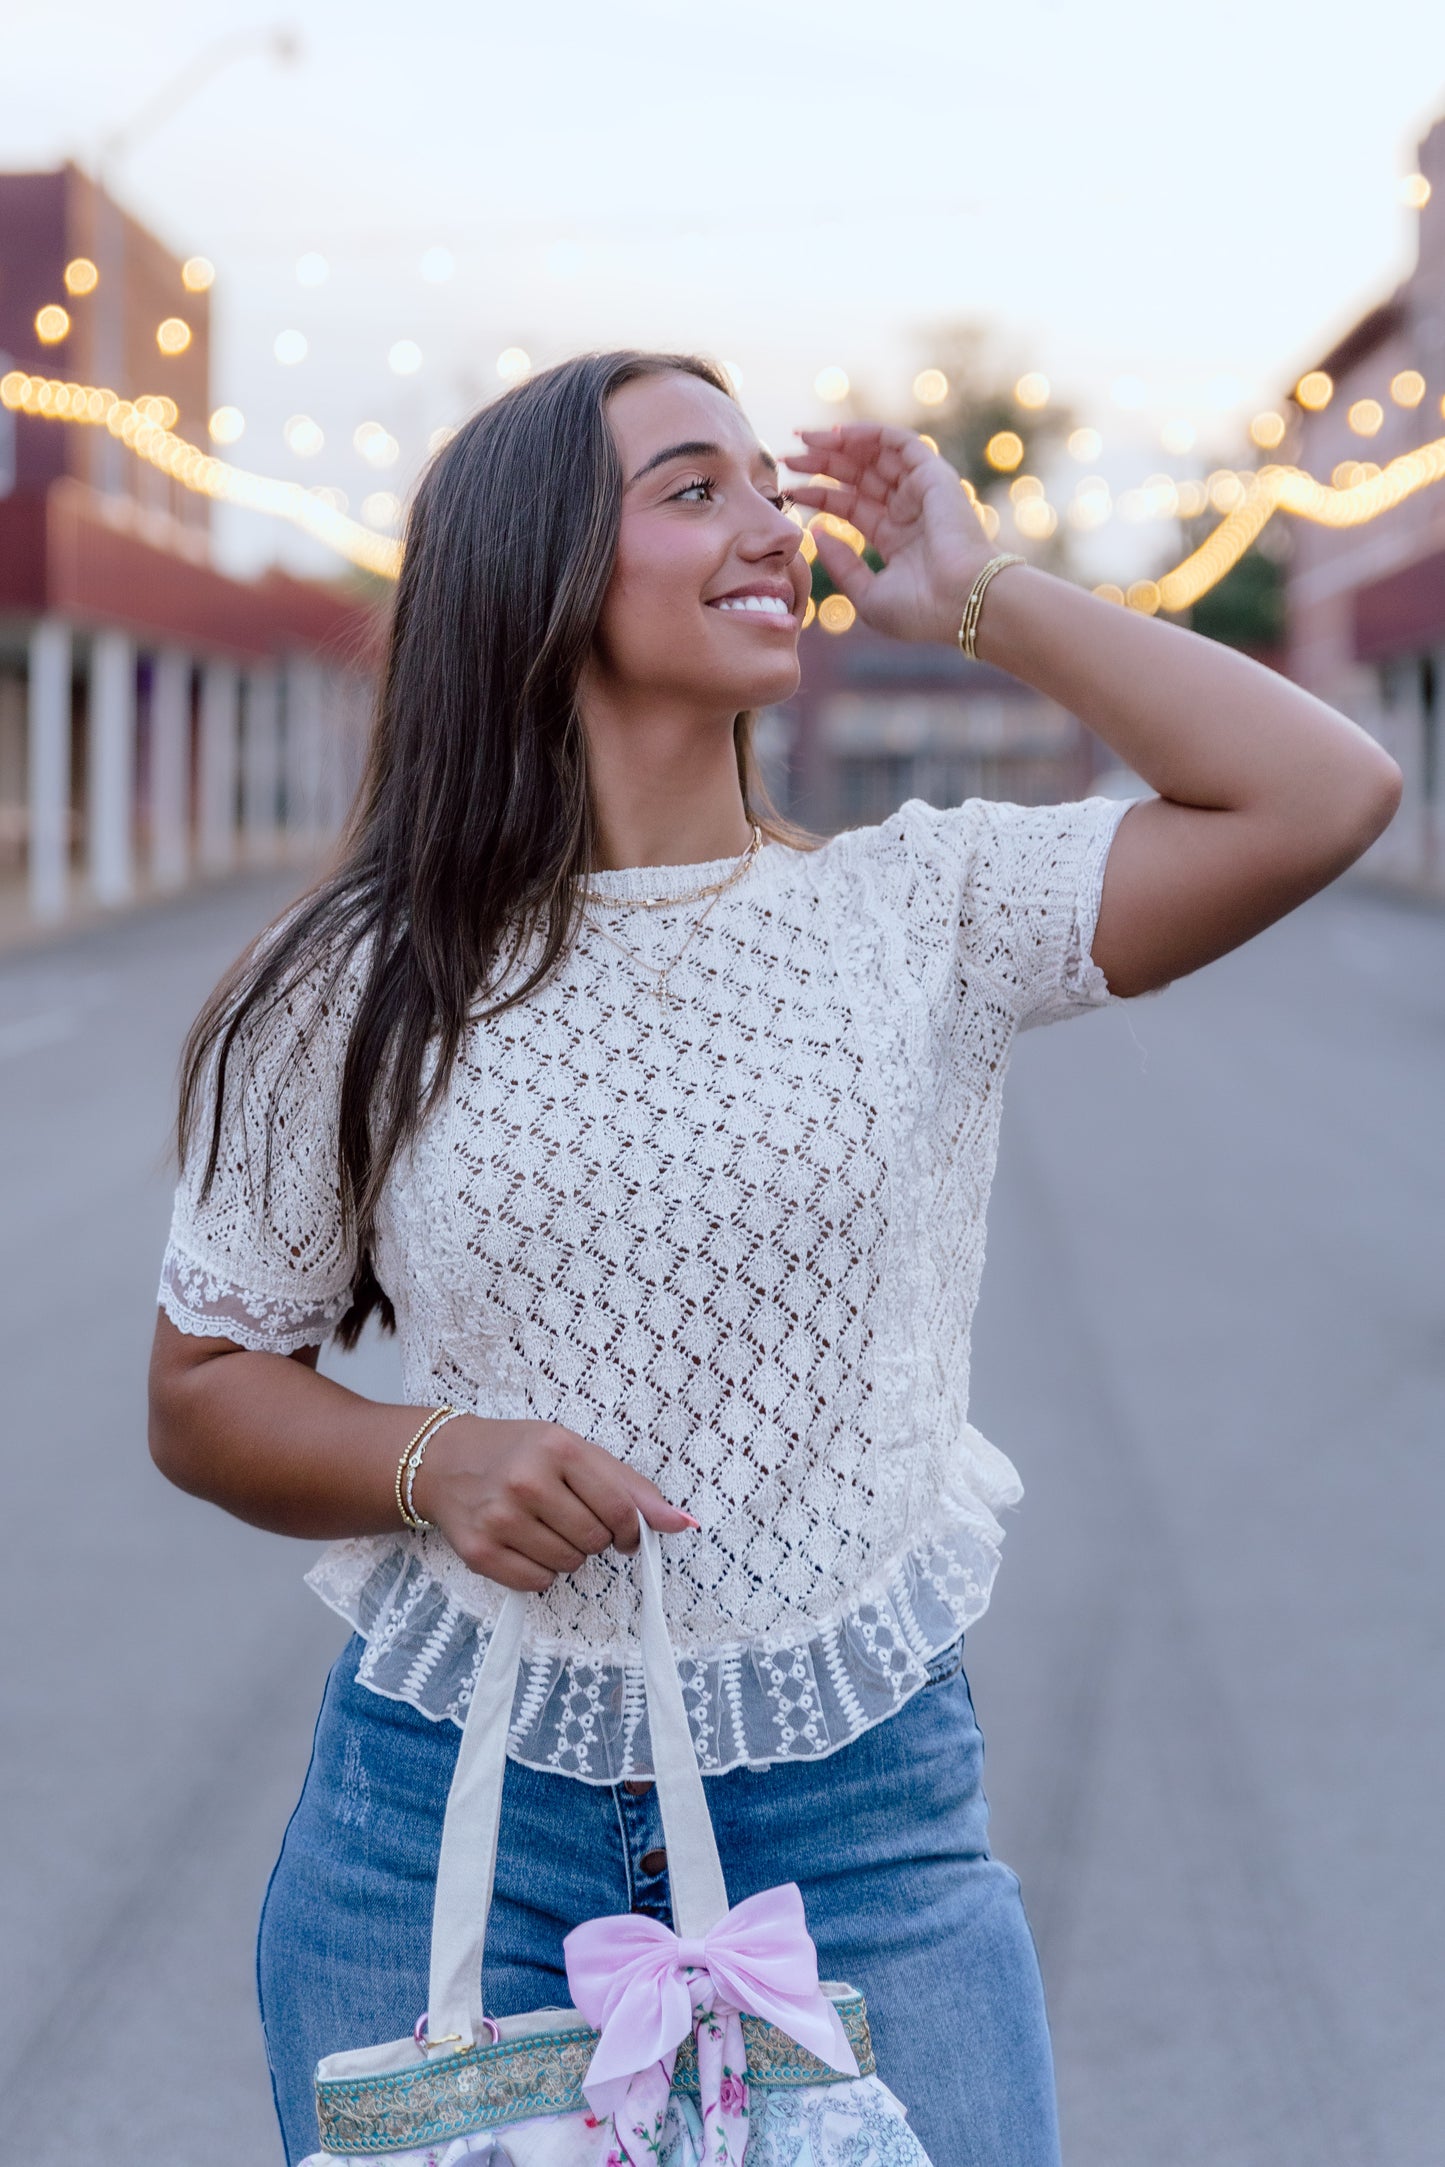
(422, 1438)
(968, 629)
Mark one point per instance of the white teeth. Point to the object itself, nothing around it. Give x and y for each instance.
(769, 605)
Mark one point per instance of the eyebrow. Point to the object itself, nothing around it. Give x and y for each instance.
(695, 450)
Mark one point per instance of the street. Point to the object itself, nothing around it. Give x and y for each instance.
(1212, 1338)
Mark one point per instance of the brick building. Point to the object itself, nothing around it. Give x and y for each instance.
(159, 720)
(1367, 603)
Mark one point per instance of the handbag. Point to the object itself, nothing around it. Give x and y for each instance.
(699, 2047)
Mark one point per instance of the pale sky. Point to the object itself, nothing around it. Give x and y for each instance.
(1199, 198)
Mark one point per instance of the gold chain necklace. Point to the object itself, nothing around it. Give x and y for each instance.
(662, 971)
(677, 902)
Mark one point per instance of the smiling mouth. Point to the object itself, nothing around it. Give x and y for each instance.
(756, 605)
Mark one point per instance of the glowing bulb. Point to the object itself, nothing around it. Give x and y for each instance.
(1026, 485)
(1004, 450)
(51, 324)
(930, 387)
(1144, 595)
(1365, 417)
(173, 336)
(1408, 388)
(832, 386)
(1414, 191)
(1084, 445)
(312, 269)
(437, 266)
(1032, 390)
(290, 347)
(381, 508)
(513, 364)
(81, 275)
(303, 436)
(1267, 430)
(836, 613)
(988, 519)
(404, 358)
(1314, 390)
(378, 447)
(1035, 518)
(198, 274)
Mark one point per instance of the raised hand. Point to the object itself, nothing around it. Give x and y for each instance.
(909, 504)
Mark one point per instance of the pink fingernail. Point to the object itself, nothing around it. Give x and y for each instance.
(697, 1524)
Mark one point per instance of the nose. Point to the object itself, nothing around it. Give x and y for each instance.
(769, 533)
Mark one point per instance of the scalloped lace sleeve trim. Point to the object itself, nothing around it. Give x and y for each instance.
(199, 1301)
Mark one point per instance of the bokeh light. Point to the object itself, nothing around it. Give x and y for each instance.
(832, 386)
(1004, 450)
(438, 440)
(1035, 518)
(1414, 191)
(378, 447)
(1085, 445)
(1024, 486)
(198, 274)
(1143, 595)
(1407, 388)
(303, 436)
(1365, 417)
(513, 364)
(173, 335)
(290, 347)
(1267, 430)
(52, 323)
(381, 509)
(227, 425)
(1314, 390)
(836, 613)
(1032, 389)
(404, 359)
(1178, 437)
(81, 276)
(930, 387)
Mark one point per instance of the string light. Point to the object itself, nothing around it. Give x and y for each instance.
(81, 276)
(198, 274)
(173, 335)
(930, 387)
(226, 425)
(137, 424)
(1033, 389)
(51, 323)
(513, 365)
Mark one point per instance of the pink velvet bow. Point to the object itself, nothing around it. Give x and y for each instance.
(644, 1988)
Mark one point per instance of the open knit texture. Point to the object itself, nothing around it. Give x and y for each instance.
(736, 1239)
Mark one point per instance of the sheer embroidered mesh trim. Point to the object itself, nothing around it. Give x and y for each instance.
(737, 1239)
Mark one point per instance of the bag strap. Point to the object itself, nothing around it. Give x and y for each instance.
(466, 1868)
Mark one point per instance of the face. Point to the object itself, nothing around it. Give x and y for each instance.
(708, 587)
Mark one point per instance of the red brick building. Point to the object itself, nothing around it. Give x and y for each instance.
(159, 720)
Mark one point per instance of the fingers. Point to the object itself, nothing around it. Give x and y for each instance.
(616, 1494)
(849, 574)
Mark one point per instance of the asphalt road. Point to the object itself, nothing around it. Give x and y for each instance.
(1212, 1337)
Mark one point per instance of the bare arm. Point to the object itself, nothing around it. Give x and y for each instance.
(267, 1438)
(1265, 794)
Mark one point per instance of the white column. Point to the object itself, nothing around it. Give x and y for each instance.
(110, 795)
(303, 750)
(219, 752)
(48, 758)
(171, 769)
(261, 763)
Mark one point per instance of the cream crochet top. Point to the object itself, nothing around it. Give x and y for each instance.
(736, 1239)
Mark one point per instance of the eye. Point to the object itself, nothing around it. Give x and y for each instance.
(688, 494)
(782, 500)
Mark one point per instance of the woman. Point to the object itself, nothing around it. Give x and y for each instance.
(666, 1139)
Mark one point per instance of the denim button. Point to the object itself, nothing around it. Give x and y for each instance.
(653, 1862)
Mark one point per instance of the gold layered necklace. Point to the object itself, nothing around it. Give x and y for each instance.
(708, 895)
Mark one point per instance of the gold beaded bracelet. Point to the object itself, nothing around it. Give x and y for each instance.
(968, 630)
(410, 1461)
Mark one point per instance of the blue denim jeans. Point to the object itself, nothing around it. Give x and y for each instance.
(887, 1839)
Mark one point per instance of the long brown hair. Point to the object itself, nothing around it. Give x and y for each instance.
(474, 817)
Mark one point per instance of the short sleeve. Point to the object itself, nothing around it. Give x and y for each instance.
(1023, 885)
(262, 1257)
